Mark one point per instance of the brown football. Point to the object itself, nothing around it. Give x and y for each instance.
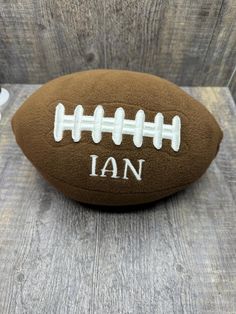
(110, 137)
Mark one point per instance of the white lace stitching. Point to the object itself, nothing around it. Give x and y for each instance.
(118, 126)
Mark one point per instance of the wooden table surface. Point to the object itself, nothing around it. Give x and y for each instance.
(175, 256)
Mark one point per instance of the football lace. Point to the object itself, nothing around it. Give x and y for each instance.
(117, 125)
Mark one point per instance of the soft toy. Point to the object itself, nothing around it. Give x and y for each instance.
(112, 137)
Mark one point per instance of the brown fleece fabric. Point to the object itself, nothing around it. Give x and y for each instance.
(67, 165)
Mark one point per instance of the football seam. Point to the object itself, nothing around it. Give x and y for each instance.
(110, 192)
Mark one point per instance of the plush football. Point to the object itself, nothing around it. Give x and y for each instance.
(112, 137)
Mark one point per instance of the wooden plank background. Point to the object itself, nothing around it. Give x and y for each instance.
(186, 41)
(177, 255)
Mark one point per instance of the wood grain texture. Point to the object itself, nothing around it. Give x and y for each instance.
(174, 256)
(188, 42)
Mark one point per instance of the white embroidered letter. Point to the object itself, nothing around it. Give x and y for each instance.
(94, 161)
(113, 170)
(136, 174)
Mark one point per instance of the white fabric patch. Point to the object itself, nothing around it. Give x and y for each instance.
(118, 126)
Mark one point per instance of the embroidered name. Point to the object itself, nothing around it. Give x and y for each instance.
(117, 125)
(110, 166)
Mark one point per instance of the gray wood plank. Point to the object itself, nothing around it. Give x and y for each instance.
(174, 256)
(188, 42)
(44, 39)
(221, 48)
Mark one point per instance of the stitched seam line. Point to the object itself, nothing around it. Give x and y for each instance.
(118, 192)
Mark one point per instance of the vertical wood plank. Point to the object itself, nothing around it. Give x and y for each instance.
(41, 40)
(188, 42)
(221, 49)
(170, 39)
